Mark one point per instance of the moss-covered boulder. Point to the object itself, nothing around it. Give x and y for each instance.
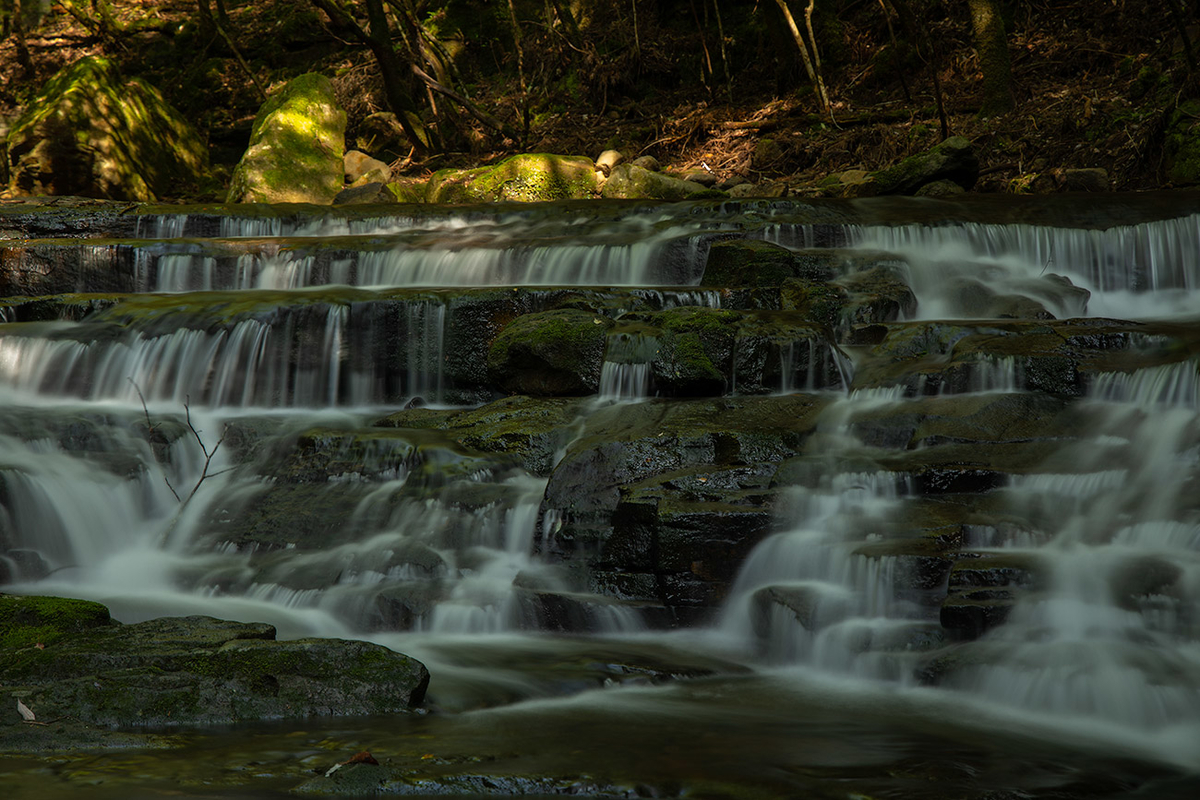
(296, 148)
(630, 182)
(526, 178)
(200, 670)
(751, 262)
(30, 621)
(953, 160)
(92, 133)
(557, 352)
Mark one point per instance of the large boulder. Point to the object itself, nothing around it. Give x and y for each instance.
(93, 134)
(296, 147)
(191, 670)
(631, 182)
(527, 178)
(557, 352)
(953, 160)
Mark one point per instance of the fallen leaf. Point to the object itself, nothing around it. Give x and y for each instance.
(26, 713)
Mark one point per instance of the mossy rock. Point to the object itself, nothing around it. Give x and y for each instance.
(533, 428)
(526, 178)
(296, 147)
(28, 621)
(629, 182)
(953, 160)
(200, 670)
(751, 262)
(93, 134)
(557, 352)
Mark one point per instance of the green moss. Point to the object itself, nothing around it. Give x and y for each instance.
(92, 133)
(26, 621)
(296, 147)
(555, 352)
(530, 177)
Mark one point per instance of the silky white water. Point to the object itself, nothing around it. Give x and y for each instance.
(1104, 651)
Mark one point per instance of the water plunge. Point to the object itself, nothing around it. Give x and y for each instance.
(822, 523)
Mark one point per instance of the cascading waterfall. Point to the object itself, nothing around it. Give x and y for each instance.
(147, 464)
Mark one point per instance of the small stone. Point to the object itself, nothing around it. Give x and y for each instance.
(609, 159)
(702, 177)
(940, 189)
(358, 166)
(361, 194)
(648, 162)
(1089, 179)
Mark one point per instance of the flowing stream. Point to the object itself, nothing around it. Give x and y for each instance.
(234, 359)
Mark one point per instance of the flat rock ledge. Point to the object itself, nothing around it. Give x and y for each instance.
(84, 676)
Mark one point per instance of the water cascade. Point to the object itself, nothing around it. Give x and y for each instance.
(936, 494)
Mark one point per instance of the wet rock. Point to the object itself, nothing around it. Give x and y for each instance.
(364, 194)
(92, 133)
(534, 429)
(696, 352)
(953, 160)
(659, 501)
(973, 612)
(880, 294)
(556, 352)
(1057, 357)
(296, 147)
(526, 178)
(751, 262)
(200, 670)
(361, 779)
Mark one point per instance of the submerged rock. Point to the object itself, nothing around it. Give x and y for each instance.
(194, 671)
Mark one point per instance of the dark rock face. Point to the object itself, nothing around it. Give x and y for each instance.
(551, 353)
(197, 670)
(658, 503)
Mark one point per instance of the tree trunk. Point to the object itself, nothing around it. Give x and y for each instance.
(378, 38)
(992, 48)
(814, 76)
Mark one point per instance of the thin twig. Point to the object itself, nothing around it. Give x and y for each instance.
(152, 428)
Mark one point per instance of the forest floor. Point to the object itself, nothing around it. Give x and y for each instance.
(1093, 83)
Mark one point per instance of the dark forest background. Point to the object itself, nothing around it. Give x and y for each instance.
(1037, 86)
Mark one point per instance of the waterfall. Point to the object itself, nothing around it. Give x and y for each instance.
(294, 416)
